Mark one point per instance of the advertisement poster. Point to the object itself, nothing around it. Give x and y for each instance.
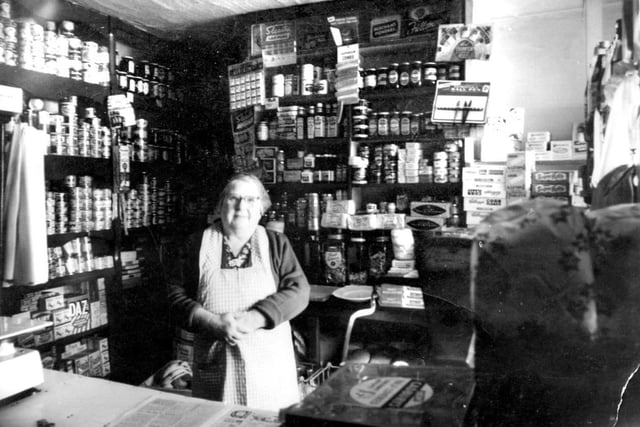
(242, 127)
(458, 42)
(460, 102)
(278, 43)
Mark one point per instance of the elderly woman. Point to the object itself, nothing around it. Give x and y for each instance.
(245, 286)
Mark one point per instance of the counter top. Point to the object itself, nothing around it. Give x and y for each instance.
(70, 400)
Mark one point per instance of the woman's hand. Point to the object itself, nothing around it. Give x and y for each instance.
(250, 321)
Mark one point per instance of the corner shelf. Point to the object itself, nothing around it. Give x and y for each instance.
(49, 86)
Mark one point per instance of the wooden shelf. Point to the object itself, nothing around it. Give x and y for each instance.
(49, 86)
(307, 99)
(75, 337)
(298, 187)
(377, 140)
(386, 94)
(62, 238)
(57, 167)
(316, 143)
(73, 279)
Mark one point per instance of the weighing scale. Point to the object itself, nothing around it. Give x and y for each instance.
(20, 368)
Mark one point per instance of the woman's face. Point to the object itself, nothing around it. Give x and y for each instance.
(242, 208)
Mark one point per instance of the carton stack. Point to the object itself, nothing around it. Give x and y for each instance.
(555, 184)
(483, 190)
(520, 166)
(409, 163)
(402, 296)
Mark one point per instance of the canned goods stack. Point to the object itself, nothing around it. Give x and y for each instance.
(80, 203)
(140, 141)
(57, 212)
(49, 49)
(30, 45)
(144, 193)
(360, 120)
(390, 163)
(453, 158)
(102, 210)
(133, 210)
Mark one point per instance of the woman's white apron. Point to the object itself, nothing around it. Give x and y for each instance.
(260, 371)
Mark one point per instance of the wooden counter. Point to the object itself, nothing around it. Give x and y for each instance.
(70, 400)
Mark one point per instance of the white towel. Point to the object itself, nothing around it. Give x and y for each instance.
(25, 242)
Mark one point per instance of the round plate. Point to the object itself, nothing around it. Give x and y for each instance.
(354, 293)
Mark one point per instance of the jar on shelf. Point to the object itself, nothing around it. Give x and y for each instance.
(414, 125)
(382, 81)
(393, 79)
(394, 123)
(405, 123)
(380, 255)
(333, 256)
(383, 123)
(430, 73)
(404, 74)
(357, 257)
(454, 72)
(370, 79)
(415, 77)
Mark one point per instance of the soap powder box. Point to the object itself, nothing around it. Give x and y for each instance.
(386, 395)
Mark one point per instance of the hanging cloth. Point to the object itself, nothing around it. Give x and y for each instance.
(25, 241)
(250, 372)
(622, 133)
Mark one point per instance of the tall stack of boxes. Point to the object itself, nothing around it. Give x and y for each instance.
(484, 191)
(409, 163)
(520, 166)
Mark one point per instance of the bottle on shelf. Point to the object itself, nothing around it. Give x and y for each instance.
(311, 122)
(357, 260)
(320, 122)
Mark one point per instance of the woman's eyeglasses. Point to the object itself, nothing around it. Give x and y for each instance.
(250, 200)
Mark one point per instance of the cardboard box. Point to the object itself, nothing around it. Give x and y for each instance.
(430, 209)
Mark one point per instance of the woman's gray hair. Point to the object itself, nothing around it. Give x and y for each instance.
(265, 199)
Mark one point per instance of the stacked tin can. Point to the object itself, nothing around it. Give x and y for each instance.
(141, 141)
(30, 45)
(133, 209)
(80, 202)
(390, 163)
(9, 35)
(452, 148)
(57, 212)
(144, 194)
(141, 77)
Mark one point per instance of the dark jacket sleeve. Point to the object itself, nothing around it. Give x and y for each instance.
(292, 296)
(182, 281)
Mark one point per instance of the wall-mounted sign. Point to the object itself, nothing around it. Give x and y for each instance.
(278, 43)
(457, 42)
(458, 101)
(385, 27)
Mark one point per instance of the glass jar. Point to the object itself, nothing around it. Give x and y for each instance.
(392, 76)
(383, 123)
(263, 131)
(404, 74)
(382, 75)
(370, 79)
(333, 256)
(415, 123)
(357, 258)
(394, 123)
(380, 255)
(430, 73)
(415, 77)
(373, 124)
(405, 123)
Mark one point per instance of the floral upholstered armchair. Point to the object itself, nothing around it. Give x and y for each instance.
(556, 294)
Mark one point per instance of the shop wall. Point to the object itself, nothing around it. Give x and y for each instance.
(541, 56)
